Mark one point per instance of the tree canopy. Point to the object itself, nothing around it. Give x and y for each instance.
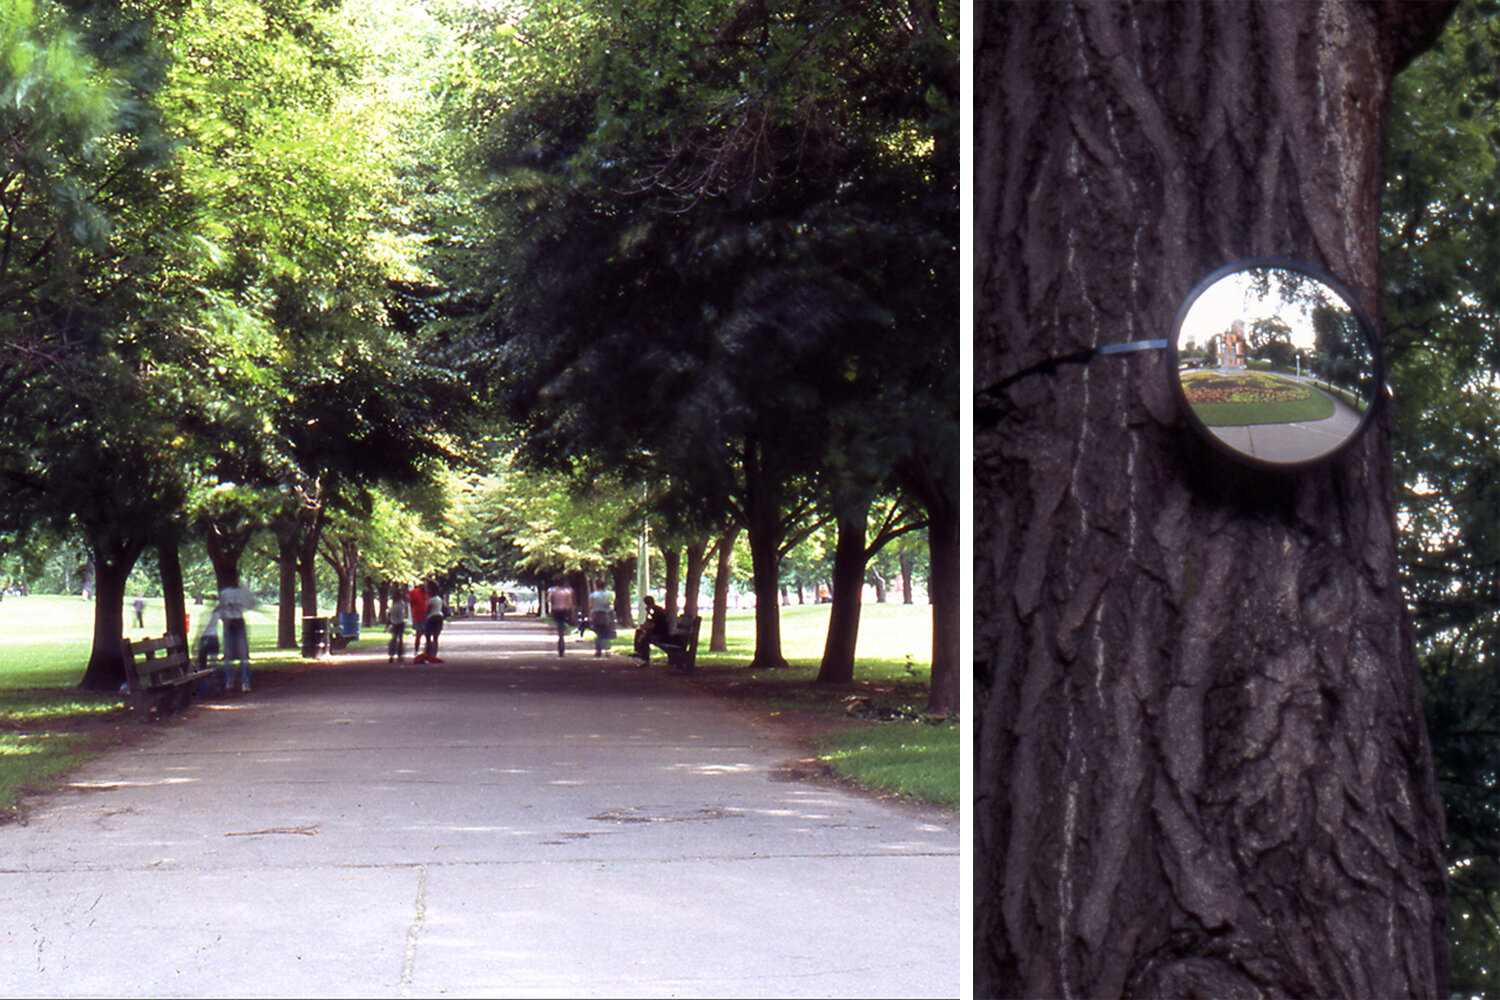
(272, 268)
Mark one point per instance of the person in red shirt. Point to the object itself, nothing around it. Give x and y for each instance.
(417, 601)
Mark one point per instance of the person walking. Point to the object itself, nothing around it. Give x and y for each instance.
(208, 650)
(563, 607)
(233, 603)
(602, 617)
(417, 605)
(433, 626)
(398, 615)
(140, 612)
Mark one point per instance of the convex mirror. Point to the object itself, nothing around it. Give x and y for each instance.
(1275, 363)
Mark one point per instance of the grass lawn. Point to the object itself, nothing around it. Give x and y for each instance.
(47, 726)
(1237, 399)
(871, 731)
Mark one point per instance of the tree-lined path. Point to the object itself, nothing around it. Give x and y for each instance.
(507, 823)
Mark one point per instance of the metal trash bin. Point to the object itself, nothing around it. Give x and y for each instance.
(314, 636)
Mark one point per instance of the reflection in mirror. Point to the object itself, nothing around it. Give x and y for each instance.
(1275, 363)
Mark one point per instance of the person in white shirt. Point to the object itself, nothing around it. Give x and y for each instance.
(399, 613)
(233, 603)
(431, 629)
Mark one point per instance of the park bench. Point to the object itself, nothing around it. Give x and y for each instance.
(160, 675)
(681, 646)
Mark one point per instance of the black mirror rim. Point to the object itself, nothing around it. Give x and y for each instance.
(1377, 361)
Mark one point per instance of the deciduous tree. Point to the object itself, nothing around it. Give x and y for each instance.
(1201, 766)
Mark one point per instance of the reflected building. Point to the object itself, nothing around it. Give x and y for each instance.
(1230, 348)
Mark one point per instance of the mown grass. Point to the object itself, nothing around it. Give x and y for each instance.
(876, 733)
(894, 747)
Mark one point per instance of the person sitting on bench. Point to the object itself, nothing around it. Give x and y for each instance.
(654, 628)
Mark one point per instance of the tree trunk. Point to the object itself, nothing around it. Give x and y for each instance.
(307, 565)
(849, 559)
(367, 609)
(286, 594)
(698, 555)
(906, 568)
(718, 639)
(1200, 762)
(671, 561)
(342, 556)
(225, 544)
(624, 580)
(945, 593)
(765, 566)
(169, 561)
(763, 531)
(113, 561)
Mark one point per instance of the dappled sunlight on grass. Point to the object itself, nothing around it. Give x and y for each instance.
(39, 706)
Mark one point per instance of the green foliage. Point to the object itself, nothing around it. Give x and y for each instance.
(1441, 275)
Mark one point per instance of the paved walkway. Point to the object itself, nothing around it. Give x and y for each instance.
(509, 823)
(1297, 441)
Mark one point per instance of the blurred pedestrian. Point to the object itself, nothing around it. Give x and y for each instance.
(233, 603)
(602, 617)
(417, 603)
(398, 615)
(208, 649)
(563, 607)
(433, 626)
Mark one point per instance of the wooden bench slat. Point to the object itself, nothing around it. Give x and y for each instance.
(158, 672)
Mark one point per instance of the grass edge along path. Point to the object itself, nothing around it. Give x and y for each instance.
(870, 732)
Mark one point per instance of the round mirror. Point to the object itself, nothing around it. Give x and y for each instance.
(1275, 363)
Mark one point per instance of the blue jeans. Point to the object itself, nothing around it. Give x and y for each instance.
(236, 647)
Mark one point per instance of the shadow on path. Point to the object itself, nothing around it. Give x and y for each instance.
(506, 823)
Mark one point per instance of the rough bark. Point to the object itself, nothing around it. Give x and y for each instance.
(1201, 767)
